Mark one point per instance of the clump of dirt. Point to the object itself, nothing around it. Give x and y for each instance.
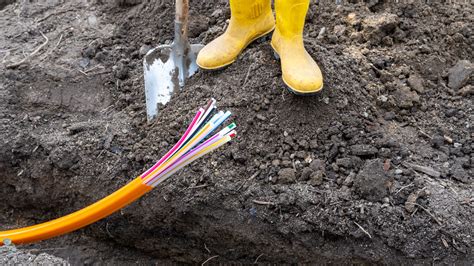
(10, 255)
(378, 168)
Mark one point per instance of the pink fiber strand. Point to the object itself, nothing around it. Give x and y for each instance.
(183, 158)
(175, 147)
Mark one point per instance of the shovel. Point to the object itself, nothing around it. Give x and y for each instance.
(167, 67)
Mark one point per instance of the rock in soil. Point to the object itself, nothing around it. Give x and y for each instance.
(363, 150)
(316, 178)
(416, 83)
(406, 98)
(460, 73)
(371, 181)
(12, 256)
(286, 175)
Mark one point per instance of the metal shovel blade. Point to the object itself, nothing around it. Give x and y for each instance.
(165, 72)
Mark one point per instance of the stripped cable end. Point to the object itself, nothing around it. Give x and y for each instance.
(194, 144)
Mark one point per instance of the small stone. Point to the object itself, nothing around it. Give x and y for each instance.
(398, 171)
(382, 22)
(261, 117)
(437, 141)
(317, 165)
(339, 30)
(316, 178)
(410, 203)
(298, 165)
(217, 13)
(459, 173)
(144, 49)
(349, 179)
(371, 181)
(416, 83)
(459, 74)
(320, 35)
(286, 175)
(352, 19)
(382, 98)
(406, 98)
(363, 150)
(349, 162)
(376, 27)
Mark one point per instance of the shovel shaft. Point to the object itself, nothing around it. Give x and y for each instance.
(182, 11)
(181, 46)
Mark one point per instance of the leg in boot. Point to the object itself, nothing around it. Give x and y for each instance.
(250, 19)
(299, 71)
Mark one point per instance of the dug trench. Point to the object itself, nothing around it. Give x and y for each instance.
(375, 169)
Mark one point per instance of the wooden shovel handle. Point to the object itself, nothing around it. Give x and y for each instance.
(182, 10)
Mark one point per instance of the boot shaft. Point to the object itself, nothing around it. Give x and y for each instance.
(249, 10)
(250, 19)
(290, 16)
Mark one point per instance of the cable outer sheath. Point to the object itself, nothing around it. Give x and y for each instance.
(81, 218)
(139, 186)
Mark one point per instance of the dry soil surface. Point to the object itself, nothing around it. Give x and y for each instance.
(376, 169)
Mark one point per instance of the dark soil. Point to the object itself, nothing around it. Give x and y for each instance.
(376, 169)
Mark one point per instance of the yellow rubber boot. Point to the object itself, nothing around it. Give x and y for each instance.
(299, 71)
(249, 20)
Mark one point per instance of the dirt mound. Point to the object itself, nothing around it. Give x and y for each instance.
(378, 168)
(12, 256)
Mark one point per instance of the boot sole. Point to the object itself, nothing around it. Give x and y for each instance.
(291, 89)
(263, 35)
